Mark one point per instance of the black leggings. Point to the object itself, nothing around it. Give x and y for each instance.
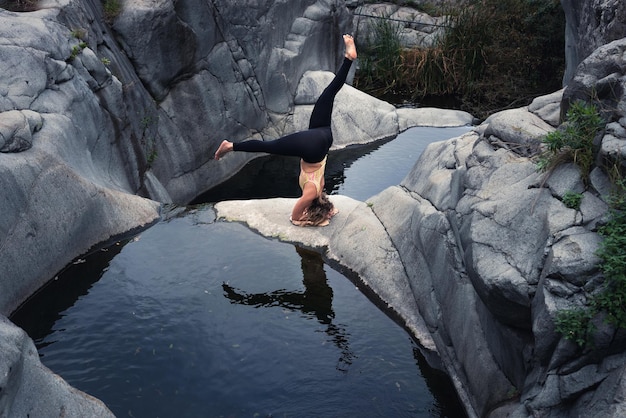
(313, 144)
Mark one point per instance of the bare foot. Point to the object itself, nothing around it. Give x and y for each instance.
(225, 147)
(350, 47)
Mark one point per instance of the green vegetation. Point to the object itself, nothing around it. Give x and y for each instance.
(576, 324)
(111, 9)
(494, 54)
(79, 34)
(612, 253)
(77, 49)
(573, 141)
(572, 199)
(383, 58)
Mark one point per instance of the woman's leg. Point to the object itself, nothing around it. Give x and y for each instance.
(310, 145)
(323, 109)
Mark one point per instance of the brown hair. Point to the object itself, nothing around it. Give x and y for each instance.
(320, 211)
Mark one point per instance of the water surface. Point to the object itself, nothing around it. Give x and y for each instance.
(197, 318)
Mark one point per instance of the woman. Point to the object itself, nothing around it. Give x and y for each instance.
(312, 145)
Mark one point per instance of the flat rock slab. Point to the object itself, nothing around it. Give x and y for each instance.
(355, 239)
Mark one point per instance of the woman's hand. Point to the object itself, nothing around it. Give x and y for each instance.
(308, 195)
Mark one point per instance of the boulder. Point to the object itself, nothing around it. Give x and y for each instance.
(30, 389)
(601, 77)
(517, 129)
(548, 107)
(415, 29)
(373, 119)
(17, 128)
(590, 25)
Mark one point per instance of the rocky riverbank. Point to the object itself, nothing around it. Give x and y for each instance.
(104, 119)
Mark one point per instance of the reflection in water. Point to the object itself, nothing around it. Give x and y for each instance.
(61, 293)
(316, 301)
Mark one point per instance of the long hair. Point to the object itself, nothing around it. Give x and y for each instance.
(320, 211)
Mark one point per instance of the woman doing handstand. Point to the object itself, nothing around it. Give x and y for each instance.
(311, 145)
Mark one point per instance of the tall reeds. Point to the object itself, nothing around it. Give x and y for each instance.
(493, 54)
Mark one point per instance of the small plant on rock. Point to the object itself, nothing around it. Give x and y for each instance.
(76, 50)
(573, 141)
(612, 253)
(111, 8)
(572, 199)
(576, 324)
(79, 33)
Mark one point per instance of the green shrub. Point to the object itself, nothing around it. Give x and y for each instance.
(612, 253)
(572, 200)
(76, 50)
(575, 325)
(573, 141)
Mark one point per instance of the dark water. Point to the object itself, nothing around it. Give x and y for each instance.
(197, 318)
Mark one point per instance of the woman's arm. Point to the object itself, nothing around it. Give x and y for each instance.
(308, 194)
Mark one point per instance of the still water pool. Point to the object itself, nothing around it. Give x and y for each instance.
(198, 318)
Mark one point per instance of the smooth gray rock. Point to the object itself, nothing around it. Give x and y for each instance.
(573, 255)
(608, 399)
(593, 210)
(563, 179)
(29, 389)
(16, 130)
(601, 77)
(548, 107)
(589, 25)
(436, 177)
(517, 129)
(413, 27)
(430, 116)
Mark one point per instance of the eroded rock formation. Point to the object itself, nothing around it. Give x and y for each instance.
(102, 119)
